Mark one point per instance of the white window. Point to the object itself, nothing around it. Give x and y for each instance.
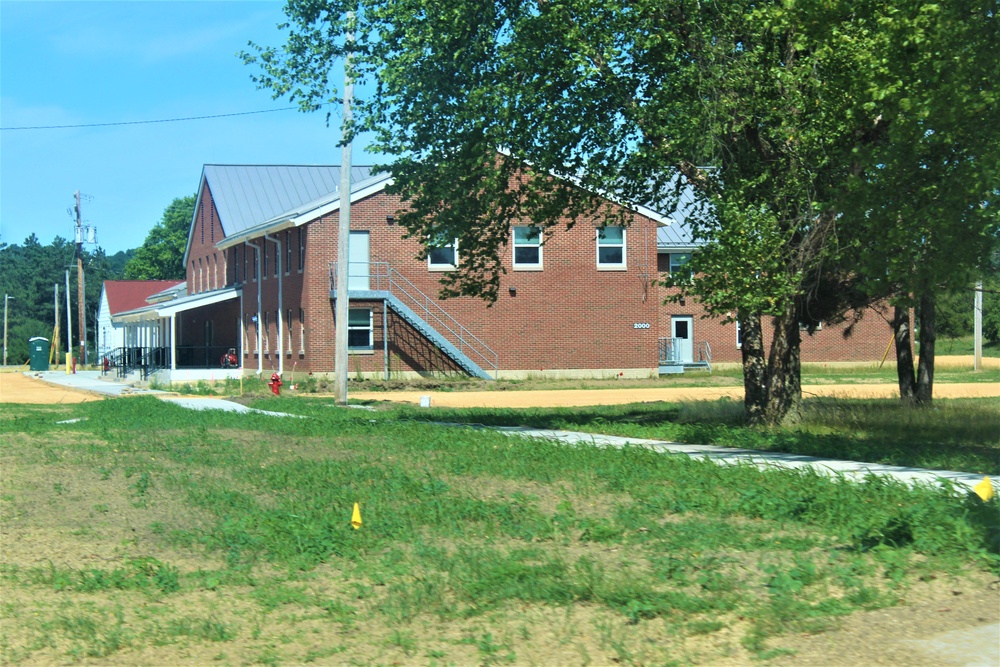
(359, 329)
(678, 264)
(611, 248)
(527, 248)
(302, 249)
(443, 257)
(302, 332)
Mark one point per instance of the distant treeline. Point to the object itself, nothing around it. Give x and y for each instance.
(27, 274)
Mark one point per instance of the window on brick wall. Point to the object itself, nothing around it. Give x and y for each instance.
(201, 282)
(288, 251)
(201, 220)
(678, 265)
(277, 258)
(246, 334)
(263, 247)
(288, 329)
(611, 247)
(255, 251)
(215, 270)
(359, 329)
(739, 336)
(267, 334)
(443, 257)
(302, 248)
(302, 331)
(211, 227)
(527, 248)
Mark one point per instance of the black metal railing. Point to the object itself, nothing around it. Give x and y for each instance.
(147, 360)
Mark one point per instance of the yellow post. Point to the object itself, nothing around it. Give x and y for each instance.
(888, 347)
(68, 356)
(356, 517)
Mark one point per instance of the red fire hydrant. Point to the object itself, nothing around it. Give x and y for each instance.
(275, 384)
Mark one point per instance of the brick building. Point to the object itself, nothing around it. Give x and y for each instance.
(579, 302)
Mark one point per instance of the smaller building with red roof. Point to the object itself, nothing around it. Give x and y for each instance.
(119, 296)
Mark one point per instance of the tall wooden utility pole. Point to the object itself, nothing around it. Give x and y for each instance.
(343, 237)
(79, 280)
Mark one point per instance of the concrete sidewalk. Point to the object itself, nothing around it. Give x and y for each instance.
(853, 470)
(91, 381)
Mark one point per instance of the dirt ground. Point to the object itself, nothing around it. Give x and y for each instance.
(19, 388)
(573, 397)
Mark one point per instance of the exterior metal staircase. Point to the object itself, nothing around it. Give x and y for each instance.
(670, 361)
(423, 314)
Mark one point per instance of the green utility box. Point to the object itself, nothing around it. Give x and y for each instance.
(38, 350)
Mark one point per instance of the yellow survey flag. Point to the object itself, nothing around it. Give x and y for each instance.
(356, 516)
(984, 489)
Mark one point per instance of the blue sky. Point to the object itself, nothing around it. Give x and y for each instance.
(75, 63)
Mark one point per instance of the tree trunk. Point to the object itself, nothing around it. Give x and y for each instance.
(754, 368)
(904, 354)
(928, 334)
(784, 370)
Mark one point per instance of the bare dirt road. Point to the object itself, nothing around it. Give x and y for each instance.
(564, 398)
(19, 388)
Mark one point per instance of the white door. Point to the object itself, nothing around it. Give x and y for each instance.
(681, 332)
(358, 267)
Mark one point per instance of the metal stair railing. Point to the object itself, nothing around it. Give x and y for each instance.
(666, 351)
(705, 354)
(388, 279)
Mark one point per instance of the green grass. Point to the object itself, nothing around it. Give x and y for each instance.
(956, 434)
(475, 547)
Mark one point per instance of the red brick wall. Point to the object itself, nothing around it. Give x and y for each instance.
(569, 315)
(207, 266)
(866, 341)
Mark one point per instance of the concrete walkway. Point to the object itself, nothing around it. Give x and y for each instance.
(853, 470)
(109, 385)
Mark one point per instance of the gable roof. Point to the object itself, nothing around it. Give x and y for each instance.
(126, 295)
(247, 195)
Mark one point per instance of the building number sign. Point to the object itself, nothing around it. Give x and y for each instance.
(641, 325)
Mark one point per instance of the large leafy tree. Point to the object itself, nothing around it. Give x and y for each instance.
(921, 209)
(161, 255)
(767, 110)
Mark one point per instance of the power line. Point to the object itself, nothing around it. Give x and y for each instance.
(146, 122)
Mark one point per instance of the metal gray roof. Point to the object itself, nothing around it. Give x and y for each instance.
(678, 233)
(247, 195)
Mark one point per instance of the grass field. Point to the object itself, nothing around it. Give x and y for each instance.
(956, 434)
(148, 534)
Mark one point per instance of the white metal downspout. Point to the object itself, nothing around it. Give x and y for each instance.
(281, 308)
(260, 279)
(173, 345)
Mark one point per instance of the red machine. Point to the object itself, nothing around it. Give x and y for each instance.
(275, 384)
(230, 360)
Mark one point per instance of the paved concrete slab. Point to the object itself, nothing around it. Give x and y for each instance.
(763, 460)
(974, 647)
(208, 403)
(91, 381)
